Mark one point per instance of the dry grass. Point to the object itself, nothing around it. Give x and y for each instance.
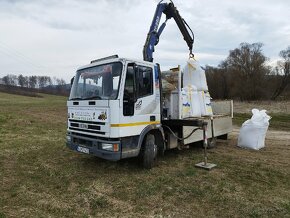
(279, 111)
(42, 178)
(270, 106)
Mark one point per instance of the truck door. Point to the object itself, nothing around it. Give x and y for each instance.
(141, 100)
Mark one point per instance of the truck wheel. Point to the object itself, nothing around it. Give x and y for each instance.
(149, 154)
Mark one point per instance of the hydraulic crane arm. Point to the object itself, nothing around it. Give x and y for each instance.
(154, 33)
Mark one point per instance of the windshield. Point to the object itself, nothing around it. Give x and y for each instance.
(99, 82)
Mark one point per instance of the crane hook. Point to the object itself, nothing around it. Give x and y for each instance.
(191, 55)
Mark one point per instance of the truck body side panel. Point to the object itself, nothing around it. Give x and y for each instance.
(221, 125)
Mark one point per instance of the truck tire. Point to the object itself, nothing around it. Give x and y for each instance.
(149, 152)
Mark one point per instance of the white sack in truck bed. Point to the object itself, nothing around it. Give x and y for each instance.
(190, 102)
(205, 104)
(253, 131)
(195, 103)
(193, 75)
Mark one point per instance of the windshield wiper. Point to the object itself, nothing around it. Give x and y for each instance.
(93, 97)
(75, 99)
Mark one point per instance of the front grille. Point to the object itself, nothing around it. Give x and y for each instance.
(74, 124)
(94, 127)
(85, 130)
(90, 122)
(78, 135)
(82, 126)
(87, 126)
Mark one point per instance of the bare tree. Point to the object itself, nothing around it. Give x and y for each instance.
(32, 81)
(282, 71)
(54, 80)
(6, 80)
(10, 80)
(44, 81)
(247, 66)
(218, 81)
(41, 81)
(62, 82)
(49, 81)
(26, 81)
(21, 80)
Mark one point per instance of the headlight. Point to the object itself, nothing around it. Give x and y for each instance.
(110, 147)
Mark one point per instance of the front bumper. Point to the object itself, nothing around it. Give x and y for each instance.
(92, 146)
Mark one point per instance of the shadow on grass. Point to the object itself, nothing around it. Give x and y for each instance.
(134, 165)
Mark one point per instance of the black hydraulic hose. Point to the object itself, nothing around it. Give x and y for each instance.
(189, 29)
(194, 130)
(190, 49)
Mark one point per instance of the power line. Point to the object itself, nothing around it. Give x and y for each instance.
(13, 53)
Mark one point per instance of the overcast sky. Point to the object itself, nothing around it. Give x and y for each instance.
(54, 38)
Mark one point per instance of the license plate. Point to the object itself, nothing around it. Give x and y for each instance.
(83, 150)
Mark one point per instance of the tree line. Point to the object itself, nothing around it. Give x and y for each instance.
(247, 75)
(32, 81)
(31, 85)
(244, 75)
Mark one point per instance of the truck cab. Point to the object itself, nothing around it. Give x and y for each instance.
(113, 104)
(118, 109)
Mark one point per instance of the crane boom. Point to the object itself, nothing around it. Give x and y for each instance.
(154, 33)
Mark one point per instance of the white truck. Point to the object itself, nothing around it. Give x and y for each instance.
(117, 108)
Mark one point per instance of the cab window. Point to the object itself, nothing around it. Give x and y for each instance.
(144, 78)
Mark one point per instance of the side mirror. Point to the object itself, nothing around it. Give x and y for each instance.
(72, 81)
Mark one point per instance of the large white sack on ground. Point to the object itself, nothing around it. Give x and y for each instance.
(253, 131)
(205, 104)
(194, 75)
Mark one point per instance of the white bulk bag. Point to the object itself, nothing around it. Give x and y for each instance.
(194, 75)
(195, 104)
(190, 102)
(205, 104)
(253, 131)
(185, 104)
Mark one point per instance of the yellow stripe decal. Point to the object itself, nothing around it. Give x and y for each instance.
(134, 124)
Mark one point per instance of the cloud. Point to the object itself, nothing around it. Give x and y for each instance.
(55, 37)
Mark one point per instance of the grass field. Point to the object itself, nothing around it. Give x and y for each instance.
(40, 177)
